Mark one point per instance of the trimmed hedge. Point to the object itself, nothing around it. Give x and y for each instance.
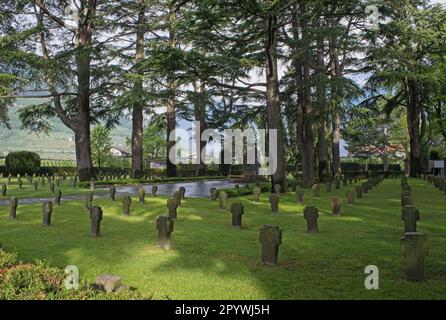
(246, 190)
(129, 182)
(42, 170)
(22, 162)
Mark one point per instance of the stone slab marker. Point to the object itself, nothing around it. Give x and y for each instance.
(311, 214)
(407, 201)
(405, 194)
(358, 190)
(337, 183)
(410, 215)
(126, 204)
(13, 204)
(58, 197)
(213, 194)
(88, 201)
(222, 197)
(113, 193)
(316, 190)
(336, 203)
(274, 201)
(154, 190)
(108, 283)
(177, 197)
(237, 211)
(164, 226)
(142, 195)
(328, 186)
(256, 192)
(92, 186)
(95, 219)
(182, 192)
(350, 197)
(299, 195)
(365, 188)
(172, 207)
(47, 210)
(271, 239)
(414, 250)
(277, 189)
(4, 189)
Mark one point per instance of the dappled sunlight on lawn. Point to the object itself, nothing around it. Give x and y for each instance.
(209, 259)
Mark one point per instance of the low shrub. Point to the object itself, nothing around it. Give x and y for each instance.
(293, 183)
(40, 281)
(129, 182)
(246, 190)
(22, 162)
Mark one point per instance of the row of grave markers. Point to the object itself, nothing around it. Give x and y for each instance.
(165, 223)
(271, 235)
(413, 243)
(53, 185)
(53, 181)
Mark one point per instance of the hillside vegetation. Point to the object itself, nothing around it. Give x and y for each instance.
(58, 144)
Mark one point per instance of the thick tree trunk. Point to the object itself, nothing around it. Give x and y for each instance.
(336, 117)
(308, 146)
(82, 128)
(200, 115)
(272, 98)
(385, 153)
(80, 122)
(137, 112)
(322, 145)
(171, 116)
(322, 153)
(305, 137)
(201, 167)
(413, 124)
(171, 121)
(386, 161)
(336, 128)
(137, 142)
(83, 152)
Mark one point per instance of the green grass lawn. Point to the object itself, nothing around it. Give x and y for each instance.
(211, 260)
(42, 191)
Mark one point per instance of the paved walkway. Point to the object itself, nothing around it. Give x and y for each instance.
(198, 189)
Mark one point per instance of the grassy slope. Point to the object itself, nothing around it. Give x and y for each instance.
(55, 145)
(211, 260)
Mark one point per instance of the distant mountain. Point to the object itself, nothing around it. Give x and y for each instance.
(57, 145)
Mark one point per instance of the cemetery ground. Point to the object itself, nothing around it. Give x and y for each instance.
(209, 259)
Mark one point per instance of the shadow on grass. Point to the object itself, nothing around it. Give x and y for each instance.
(211, 260)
